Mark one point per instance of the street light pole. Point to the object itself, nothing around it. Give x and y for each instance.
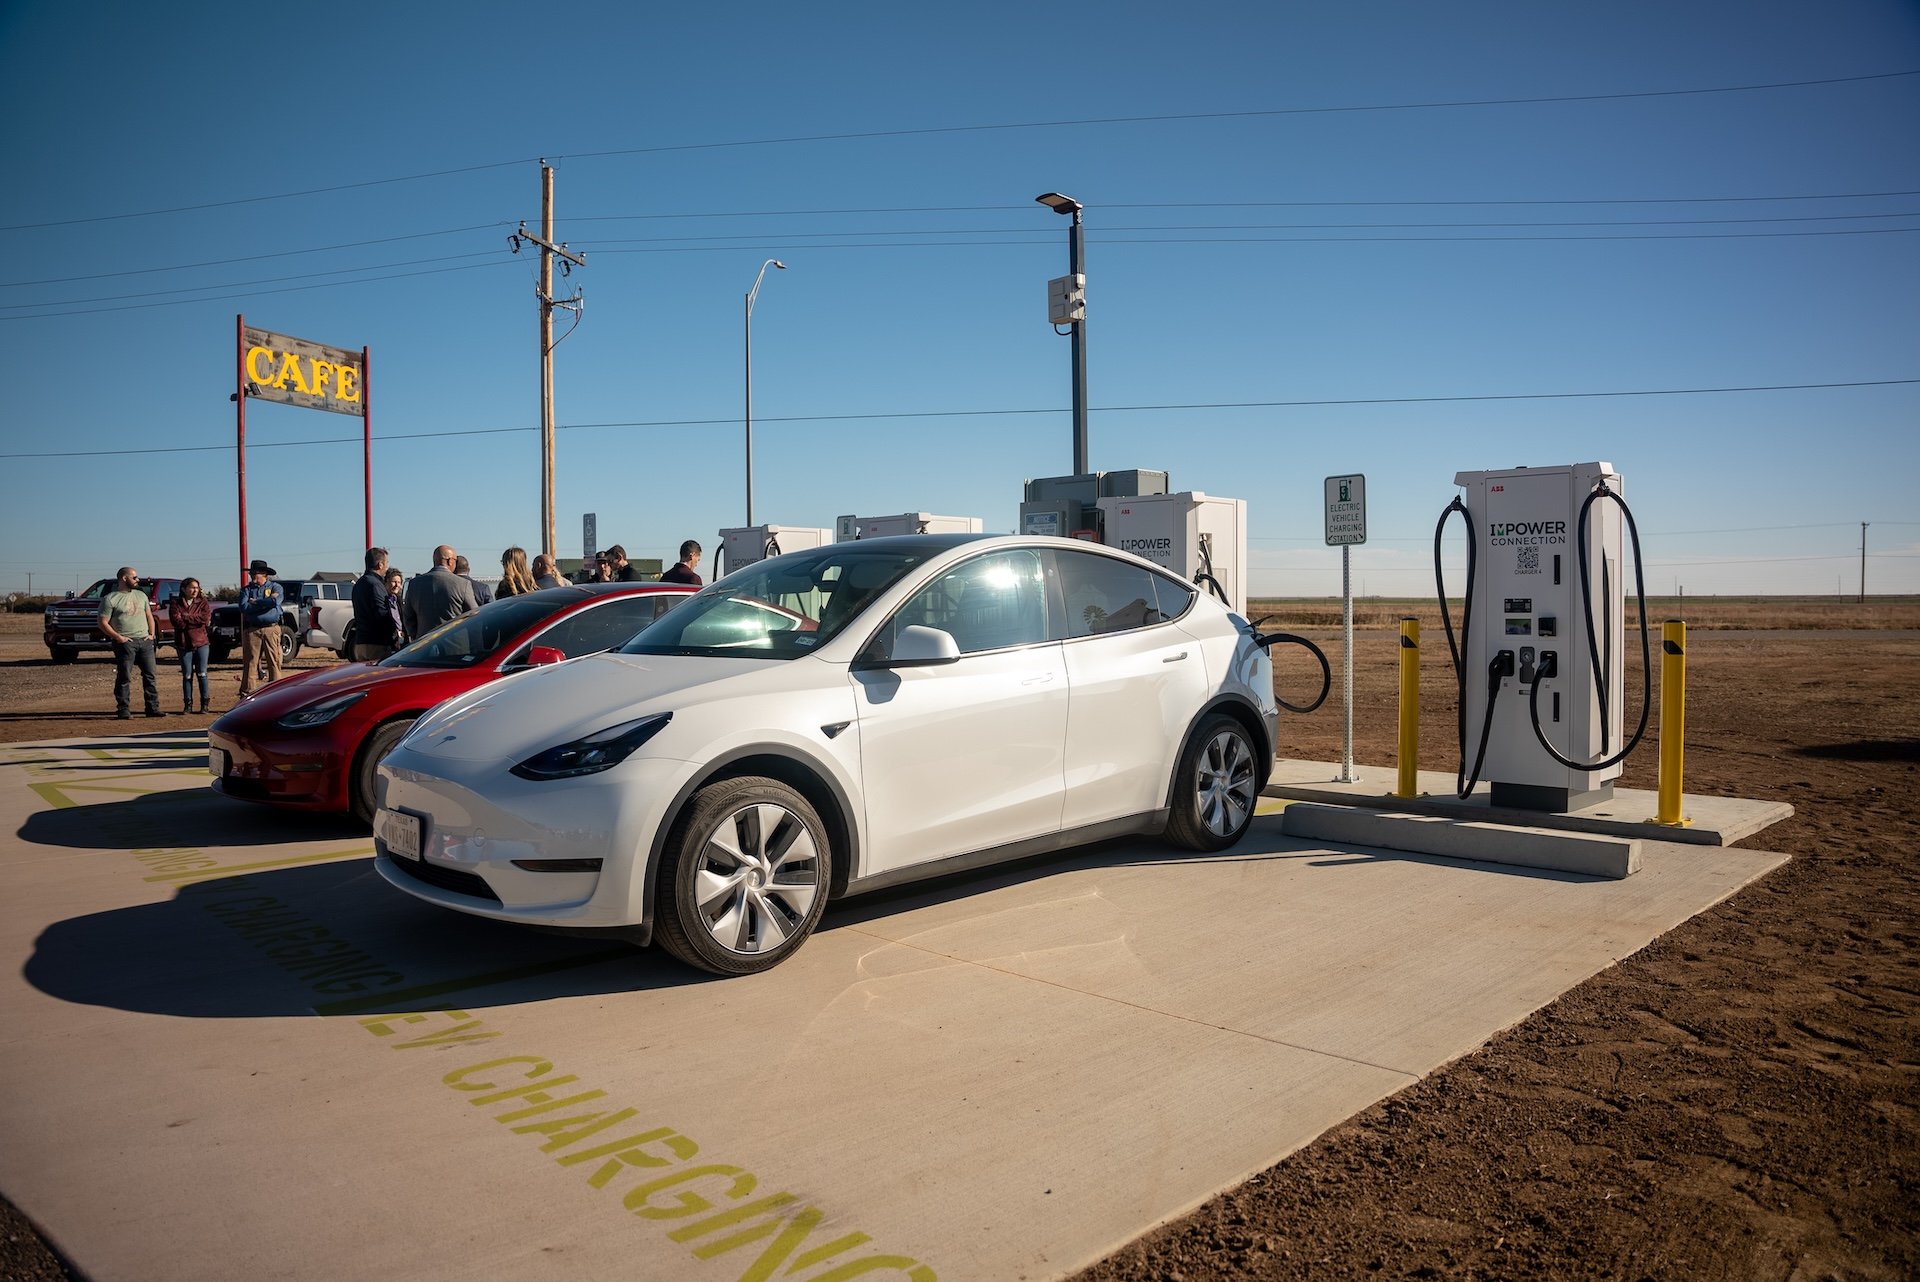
(751, 295)
(1076, 272)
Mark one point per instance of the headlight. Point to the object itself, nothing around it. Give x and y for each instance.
(601, 750)
(318, 714)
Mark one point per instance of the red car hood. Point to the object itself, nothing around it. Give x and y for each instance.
(289, 693)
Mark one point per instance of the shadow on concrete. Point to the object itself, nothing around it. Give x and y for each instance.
(1263, 842)
(186, 817)
(330, 939)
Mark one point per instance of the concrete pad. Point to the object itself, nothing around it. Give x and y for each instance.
(227, 1049)
(1591, 856)
(1711, 821)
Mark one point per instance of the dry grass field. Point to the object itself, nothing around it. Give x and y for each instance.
(1740, 1100)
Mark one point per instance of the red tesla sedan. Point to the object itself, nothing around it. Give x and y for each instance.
(311, 742)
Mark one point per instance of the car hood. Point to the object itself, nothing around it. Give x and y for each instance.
(289, 693)
(531, 711)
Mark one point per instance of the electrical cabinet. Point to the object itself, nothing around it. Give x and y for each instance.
(1530, 602)
(875, 527)
(1190, 533)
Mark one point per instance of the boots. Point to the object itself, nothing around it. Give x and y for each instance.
(186, 696)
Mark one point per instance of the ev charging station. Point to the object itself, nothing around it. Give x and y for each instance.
(746, 544)
(1540, 661)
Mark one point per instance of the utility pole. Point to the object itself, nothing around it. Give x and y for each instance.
(1863, 562)
(544, 294)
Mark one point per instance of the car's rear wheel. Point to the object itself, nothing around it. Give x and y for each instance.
(744, 877)
(289, 644)
(1215, 786)
(363, 788)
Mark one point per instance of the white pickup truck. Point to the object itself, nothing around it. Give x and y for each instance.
(329, 618)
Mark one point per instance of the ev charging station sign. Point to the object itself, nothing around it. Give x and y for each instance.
(1346, 510)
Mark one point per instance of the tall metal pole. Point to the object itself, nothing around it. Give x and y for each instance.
(1863, 562)
(751, 295)
(1076, 266)
(366, 430)
(748, 312)
(240, 430)
(548, 543)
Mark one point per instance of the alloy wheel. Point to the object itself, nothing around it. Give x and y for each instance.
(757, 878)
(1225, 783)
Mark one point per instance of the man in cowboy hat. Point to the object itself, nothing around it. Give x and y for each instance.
(261, 602)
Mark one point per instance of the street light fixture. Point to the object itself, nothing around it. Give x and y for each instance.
(1074, 294)
(751, 295)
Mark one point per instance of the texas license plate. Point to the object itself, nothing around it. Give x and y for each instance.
(399, 833)
(217, 763)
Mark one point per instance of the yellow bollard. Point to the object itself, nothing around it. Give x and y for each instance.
(1673, 721)
(1409, 781)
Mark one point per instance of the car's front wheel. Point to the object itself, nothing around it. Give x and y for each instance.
(744, 876)
(289, 645)
(363, 785)
(61, 653)
(1215, 786)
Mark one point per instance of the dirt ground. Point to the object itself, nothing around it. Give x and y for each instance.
(1740, 1100)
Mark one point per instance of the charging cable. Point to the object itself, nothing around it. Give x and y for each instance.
(1550, 665)
(1267, 640)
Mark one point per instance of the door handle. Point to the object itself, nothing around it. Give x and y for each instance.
(1174, 658)
(1040, 680)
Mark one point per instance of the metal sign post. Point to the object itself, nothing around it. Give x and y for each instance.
(1346, 525)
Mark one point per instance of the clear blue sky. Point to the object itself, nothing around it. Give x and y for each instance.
(1279, 219)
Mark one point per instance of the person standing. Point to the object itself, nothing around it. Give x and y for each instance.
(545, 573)
(396, 612)
(685, 571)
(261, 602)
(481, 592)
(622, 571)
(515, 577)
(438, 595)
(126, 617)
(190, 613)
(373, 635)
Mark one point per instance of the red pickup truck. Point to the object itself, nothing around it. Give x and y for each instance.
(73, 625)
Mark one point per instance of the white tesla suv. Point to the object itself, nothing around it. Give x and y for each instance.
(830, 722)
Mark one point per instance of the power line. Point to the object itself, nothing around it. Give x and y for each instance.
(963, 129)
(254, 258)
(1000, 413)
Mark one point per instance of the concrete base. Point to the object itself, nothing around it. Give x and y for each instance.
(1713, 821)
(229, 1050)
(1489, 843)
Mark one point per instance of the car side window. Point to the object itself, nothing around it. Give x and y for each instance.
(1174, 595)
(989, 603)
(1105, 595)
(601, 627)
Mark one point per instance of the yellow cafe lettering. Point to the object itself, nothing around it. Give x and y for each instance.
(293, 370)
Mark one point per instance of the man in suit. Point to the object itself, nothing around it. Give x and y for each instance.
(481, 592)
(438, 595)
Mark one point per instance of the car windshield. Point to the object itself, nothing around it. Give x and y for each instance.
(779, 608)
(463, 642)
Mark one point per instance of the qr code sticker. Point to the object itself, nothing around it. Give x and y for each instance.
(1529, 560)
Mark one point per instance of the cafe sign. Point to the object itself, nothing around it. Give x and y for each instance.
(294, 371)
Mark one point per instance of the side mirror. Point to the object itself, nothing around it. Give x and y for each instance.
(919, 647)
(542, 656)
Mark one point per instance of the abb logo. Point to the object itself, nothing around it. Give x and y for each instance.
(1496, 488)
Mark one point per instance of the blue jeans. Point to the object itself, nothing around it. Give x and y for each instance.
(193, 659)
(126, 654)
